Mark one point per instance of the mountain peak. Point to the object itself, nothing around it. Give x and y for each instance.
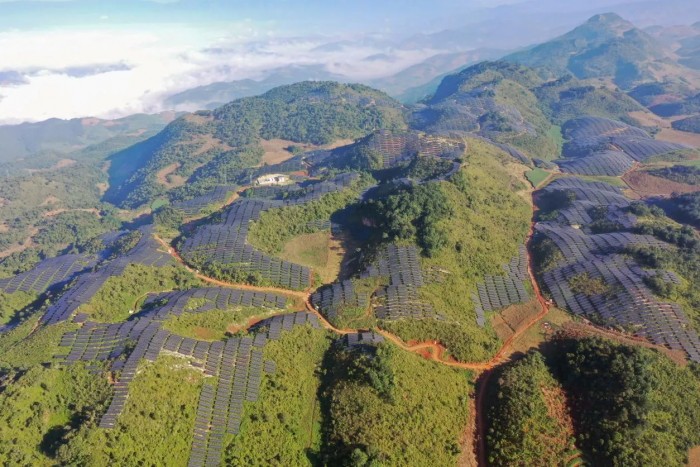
(608, 23)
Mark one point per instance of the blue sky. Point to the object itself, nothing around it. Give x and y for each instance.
(108, 58)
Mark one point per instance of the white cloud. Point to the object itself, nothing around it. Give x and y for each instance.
(160, 61)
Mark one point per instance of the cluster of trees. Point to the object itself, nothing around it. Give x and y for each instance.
(413, 214)
(686, 208)
(382, 406)
(309, 112)
(521, 428)
(630, 406)
(679, 173)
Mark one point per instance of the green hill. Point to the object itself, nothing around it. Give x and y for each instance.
(606, 46)
(59, 137)
(212, 147)
(511, 104)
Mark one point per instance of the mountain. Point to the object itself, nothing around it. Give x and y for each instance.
(408, 85)
(609, 47)
(511, 104)
(419, 81)
(59, 137)
(684, 40)
(216, 146)
(215, 95)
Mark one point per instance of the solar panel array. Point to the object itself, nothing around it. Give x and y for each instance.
(401, 298)
(217, 195)
(610, 163)
(147, 252)
(464, 112)
(331, 298)
(626, 301)
(400, 148)
(501, 291)
(588, 135)
(360, 339)
(212, 298)
(293, 164)
(226, 242)
(237, 363)
(590, 195)
(48, 274)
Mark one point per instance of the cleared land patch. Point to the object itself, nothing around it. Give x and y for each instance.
(536, 176)
(167, 178)
(318, 251)
(645, 184)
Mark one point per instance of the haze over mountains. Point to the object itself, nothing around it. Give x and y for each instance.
(247, 43)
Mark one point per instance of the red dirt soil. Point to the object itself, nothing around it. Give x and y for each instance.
(644, 184)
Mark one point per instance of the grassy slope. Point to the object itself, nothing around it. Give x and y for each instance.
(489, 223)
(277, 226)
(213, 324)
(119, 294)
(543, 144)
(284, 422)
(528, 422)
(315, 250)
(11, 304)
(157, 424)
(420, 426)
(536, 176)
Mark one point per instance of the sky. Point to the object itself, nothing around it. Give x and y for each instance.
(107, 58)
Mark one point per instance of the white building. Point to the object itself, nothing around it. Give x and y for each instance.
(271, 179)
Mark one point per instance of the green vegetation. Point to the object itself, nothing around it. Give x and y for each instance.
(212, 325)
(691, 124)
(629, 405)
(413, 214)
(587, 285)
(529, 423)
(156, 425)
(357, 317)
(488, 222)
(633, 406)
(318, 251)
(679, 173)
(46, 213)
(43, 408)
(25, 346)
(275, 227)
(217, 146)
(685, 208)
(427, 168)
(606, 46)
(391, 407)
(545, 253)
(53, 138)
(12, 303)
(117, 299)
(534, 108)
(536, 176)
(283, 426)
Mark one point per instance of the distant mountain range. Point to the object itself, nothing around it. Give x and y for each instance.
(408, 85)
(608, 47)
(55, 137)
